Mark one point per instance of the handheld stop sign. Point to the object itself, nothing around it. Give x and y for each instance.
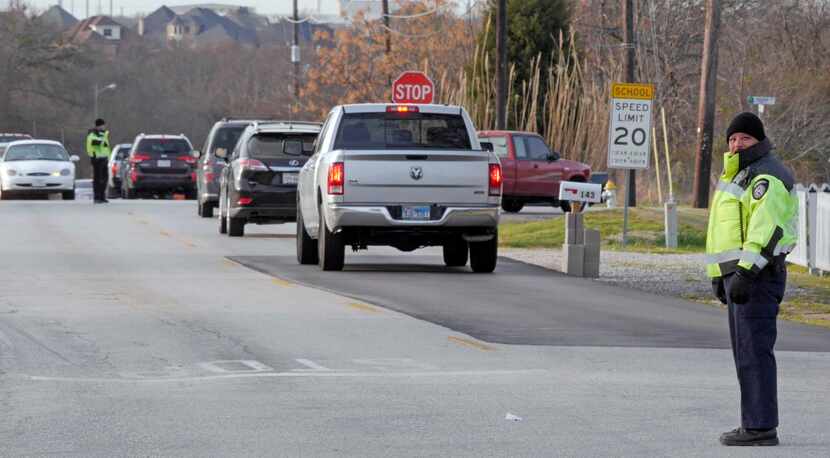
(413, 87)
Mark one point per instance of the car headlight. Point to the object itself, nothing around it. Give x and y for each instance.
(11, 172)
(65, 172)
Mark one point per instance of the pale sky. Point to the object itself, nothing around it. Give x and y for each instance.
(132, 7)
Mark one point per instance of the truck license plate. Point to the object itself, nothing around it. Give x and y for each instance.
(289, 178)
(416, 213)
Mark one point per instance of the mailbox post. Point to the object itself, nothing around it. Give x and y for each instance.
(581, 249)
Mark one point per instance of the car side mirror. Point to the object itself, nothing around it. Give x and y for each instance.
(487, 146)
(554, 156)
(196, 153)
(74, 158)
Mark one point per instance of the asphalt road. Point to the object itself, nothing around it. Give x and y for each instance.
(527, 305)
(129, 330)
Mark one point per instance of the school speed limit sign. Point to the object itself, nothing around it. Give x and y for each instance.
(629, 132)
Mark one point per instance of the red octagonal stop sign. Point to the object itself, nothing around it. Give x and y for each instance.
(413, 87)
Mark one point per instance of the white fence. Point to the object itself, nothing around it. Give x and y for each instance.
(823, 231)
(813, 248)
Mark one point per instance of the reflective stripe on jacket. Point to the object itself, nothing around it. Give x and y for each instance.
(98, 144)
(753, 213)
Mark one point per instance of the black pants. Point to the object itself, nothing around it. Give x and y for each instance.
(753, 331)
(99, 177)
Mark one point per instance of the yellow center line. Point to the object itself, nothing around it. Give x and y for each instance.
(470, 343)
(164, 233)
(281, 282)
(364, 307)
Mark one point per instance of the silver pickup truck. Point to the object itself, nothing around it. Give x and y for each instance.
(407, 176)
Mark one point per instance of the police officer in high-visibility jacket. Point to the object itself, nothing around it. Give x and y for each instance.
(751, 230)
(98, 148)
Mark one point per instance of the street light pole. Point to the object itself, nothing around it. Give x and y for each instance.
(98, 92)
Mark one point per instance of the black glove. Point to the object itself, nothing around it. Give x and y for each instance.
(741, 286)
(95, 142)
(718, 290)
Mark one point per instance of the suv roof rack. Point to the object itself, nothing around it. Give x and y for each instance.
(245, 118)
(290, 124)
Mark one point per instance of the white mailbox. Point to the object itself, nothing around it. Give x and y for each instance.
(580, 192)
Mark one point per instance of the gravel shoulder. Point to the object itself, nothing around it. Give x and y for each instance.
(678, 275)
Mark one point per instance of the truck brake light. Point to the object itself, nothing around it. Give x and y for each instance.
(337, 176)
(402, 109)
(495, 179)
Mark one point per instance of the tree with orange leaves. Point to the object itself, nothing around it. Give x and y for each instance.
(353, 66)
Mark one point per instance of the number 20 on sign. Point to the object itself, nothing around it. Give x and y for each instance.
(629, 137)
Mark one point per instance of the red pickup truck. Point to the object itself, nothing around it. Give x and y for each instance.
(530, 170)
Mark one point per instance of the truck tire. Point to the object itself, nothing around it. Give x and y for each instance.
(236, 226)
(205, 210)
(512, 206)
(330, 247)
(223, 223)
(307, 253)
(456, 252)
(484, 255)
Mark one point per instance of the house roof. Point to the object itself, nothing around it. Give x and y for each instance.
(158, 20)
(59, 17)
(82, 32)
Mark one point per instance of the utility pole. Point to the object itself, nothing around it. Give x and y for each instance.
(628, 47)
(501, 65)
(387, 37)
(706, 105)
(295, 55)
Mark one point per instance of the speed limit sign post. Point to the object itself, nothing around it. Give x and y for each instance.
(629, 136)
(629, 133)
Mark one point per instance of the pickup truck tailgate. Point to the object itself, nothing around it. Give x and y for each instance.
(416, 177)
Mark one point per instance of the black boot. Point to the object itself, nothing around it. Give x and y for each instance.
(741, 436)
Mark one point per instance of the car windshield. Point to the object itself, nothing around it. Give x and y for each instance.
(157, 146)
(122, 151)
(225, 139)
(36, 152)
(499, 145)
(280, 145)
(402, 131)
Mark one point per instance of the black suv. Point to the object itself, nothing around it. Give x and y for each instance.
(259, 185)
(159, 164)
(222, 139)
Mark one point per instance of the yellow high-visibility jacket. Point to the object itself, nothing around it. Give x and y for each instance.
(98, 144)
(754, 212)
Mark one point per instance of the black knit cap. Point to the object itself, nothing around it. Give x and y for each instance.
(746, 123)
(100, 122)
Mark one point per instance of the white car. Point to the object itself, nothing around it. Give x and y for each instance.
(406, 176)
(37, 167)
